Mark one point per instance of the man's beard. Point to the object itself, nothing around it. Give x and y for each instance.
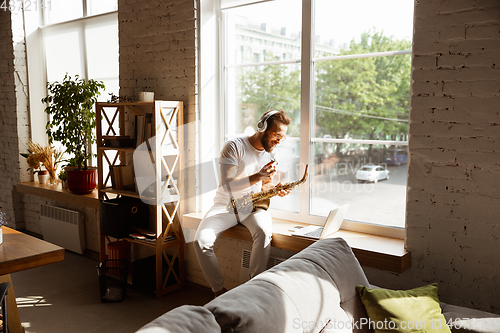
(266, 143)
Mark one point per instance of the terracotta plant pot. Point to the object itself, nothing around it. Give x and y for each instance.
(81, 181)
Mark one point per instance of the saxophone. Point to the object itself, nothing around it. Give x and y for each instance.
(251, 201)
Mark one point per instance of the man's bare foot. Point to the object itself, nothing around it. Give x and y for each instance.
(220, 292)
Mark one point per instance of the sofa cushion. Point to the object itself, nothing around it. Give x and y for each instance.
(299, 295)
(311, 290)
(336, 257)
(414, 310)
(254, 307)
(467, 320)
(187, 318)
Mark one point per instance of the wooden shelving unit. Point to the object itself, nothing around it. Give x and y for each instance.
(163, 196)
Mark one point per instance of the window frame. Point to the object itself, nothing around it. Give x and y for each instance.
(37, 57)
(307, 105)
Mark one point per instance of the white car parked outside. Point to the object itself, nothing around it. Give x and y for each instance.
(372, 173)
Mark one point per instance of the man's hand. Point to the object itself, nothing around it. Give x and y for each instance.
(267, 172)
(231, 183)
(282, 193)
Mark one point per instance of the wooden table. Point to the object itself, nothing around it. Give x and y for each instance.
(19, 252)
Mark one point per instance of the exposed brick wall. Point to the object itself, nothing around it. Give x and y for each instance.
(14, 124)
(158, 53)
(453, 202)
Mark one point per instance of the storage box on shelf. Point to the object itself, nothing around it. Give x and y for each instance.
(154, 151)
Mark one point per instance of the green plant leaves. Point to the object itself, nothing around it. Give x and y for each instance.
(70, 105)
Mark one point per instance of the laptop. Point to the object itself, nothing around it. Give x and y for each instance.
(332, 224)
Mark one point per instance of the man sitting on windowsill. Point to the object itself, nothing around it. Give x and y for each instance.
(247, 165)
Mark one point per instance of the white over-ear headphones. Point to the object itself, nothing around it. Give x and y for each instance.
(262, 124)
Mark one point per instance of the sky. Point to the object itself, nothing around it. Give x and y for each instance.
(338, 20)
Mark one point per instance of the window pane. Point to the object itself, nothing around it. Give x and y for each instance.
(265, 32)
(102, 55)
(365, 98)
(288, 171)
(62, 60)
(360, 103)
(63, 10)
(112, 86)
(360, 98)
(101, 6)
(338, 24)
(347, 174)
(256, 89)
(268, 31)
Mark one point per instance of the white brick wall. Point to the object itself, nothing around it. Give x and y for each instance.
(14, 114)
(158, 53)
(453, 202)
(21, 89)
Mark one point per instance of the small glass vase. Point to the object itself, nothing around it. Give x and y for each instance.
(52, 177)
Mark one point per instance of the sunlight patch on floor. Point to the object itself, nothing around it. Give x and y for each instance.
(31, 301)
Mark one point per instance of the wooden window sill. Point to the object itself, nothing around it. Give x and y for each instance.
(375, 251)
(56, 192)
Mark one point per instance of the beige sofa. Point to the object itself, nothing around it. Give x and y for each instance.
(300, 295)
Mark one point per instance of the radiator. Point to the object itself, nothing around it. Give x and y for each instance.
(245, 265)
(63, 227)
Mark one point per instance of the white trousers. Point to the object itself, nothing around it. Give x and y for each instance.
(218, 220)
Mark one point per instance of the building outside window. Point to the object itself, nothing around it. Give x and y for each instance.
(347, 94)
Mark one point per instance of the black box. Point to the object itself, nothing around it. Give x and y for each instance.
(113, 275)
(144, 273)
(118, 141)
(119, 216)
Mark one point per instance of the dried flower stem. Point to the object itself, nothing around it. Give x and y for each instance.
(48, 156)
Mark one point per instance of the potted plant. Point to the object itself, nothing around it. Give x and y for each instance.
(72, 122)
(63, 178)
(45, 156)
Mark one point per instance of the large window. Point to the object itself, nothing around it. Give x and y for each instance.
(341, 69)
(78, 41)
(78, 37)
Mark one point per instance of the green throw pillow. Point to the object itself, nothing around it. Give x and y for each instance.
(414, 310)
